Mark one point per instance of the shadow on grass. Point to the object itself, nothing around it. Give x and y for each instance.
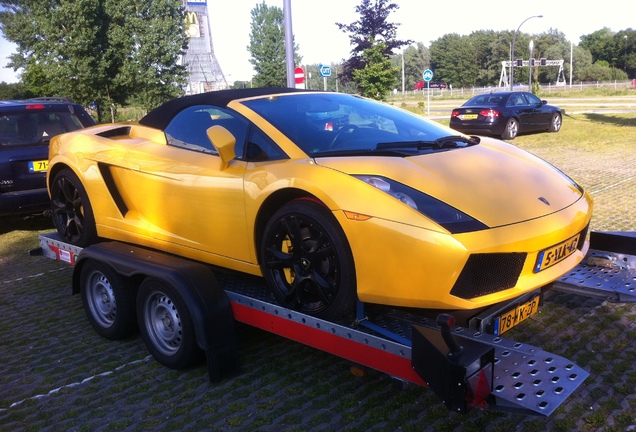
(25, 223)
(606, 119)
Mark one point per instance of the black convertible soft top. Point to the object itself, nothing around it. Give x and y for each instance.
(161, 116)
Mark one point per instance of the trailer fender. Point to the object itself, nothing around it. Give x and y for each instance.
(195, 282)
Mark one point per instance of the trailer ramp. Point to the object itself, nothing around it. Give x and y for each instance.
(608, 271)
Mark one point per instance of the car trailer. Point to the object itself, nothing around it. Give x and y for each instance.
(465, 367)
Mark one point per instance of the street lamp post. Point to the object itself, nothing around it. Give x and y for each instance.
(625, 55)
(531, 46)
(512, 50)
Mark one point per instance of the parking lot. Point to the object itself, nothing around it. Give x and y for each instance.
(56, 373)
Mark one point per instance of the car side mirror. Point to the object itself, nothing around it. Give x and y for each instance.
(544, 102)
(224, 143)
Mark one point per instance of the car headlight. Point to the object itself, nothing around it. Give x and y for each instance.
(441, 213)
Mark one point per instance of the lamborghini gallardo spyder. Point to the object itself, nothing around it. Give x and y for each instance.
(332, 198)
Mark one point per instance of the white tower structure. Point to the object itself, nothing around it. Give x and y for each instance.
(203, 68)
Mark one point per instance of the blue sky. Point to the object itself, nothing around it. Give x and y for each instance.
(321, 41)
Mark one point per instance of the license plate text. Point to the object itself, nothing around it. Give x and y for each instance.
(517, 315)
(556, 254)
(38, 166)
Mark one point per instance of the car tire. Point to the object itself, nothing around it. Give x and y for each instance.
(71, 210)
(511, 130)
(166, 326)
(109, 300)
(555, 123)
(307, 261)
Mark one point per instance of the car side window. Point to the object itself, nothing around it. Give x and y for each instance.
(260, 147)
(517, 100)
(188, 129)
(532, 99)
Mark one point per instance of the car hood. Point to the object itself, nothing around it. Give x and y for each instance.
(494, 182)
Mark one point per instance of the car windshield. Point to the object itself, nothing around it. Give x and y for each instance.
(332, 124)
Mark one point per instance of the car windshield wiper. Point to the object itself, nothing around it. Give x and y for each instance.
(362, 152)
(403, 148)
(451, 141)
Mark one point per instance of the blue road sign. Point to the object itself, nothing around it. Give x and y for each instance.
(325, 70)
(427, 75)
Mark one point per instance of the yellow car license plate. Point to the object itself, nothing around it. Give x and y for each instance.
(38, 166)
(508, 320)
(469, 116)
(556, 254)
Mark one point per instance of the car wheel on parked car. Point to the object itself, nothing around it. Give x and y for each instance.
(511, 130)
(555, 123)
(307, 261)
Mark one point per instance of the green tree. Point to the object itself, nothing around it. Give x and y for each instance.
(152, 32)
(454, 60)
(371, 27)
(12, 91)
(103, 51)
(491, 48)
(416, 60)
(601, 44)
(378, 77)
(267, 47)
(241, 85)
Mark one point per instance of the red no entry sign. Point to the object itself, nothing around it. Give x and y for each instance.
(299, 75)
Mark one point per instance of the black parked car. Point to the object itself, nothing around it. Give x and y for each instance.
(26, 128)
(506, 114)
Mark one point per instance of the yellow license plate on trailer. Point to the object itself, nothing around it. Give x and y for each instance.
(556, 254)
(38, 166)
(510, 319)
(469, 116)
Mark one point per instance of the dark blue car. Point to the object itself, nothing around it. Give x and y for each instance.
(26, 127)
(506, 114)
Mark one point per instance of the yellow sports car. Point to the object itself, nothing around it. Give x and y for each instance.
(330, 197)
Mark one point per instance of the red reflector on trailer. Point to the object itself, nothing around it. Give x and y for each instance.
(35, 107)
(478, 389)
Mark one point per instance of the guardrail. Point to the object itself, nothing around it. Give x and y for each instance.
(462, 92)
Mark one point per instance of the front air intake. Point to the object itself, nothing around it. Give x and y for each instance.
(486, 274)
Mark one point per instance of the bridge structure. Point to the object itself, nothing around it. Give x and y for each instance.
(505, 66)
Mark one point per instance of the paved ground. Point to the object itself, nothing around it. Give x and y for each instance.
(56, 374)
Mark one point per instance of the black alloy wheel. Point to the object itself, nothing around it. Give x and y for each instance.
(307, 261)
(71, 210)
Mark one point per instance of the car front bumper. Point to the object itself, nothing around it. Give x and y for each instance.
(403, 265)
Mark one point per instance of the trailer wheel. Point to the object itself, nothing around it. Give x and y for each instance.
(71, 210)
(109, 300)
(307, 261)
(166, 326)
